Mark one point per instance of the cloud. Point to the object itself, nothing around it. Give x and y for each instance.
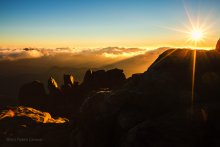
(27, 53)
(16, 54)
(114, 52)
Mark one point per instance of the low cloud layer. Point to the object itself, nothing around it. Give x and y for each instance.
(113, 52)
(17, 54)
(27, 53)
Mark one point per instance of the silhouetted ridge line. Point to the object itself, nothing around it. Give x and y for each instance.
(218, 45)
(148, 109)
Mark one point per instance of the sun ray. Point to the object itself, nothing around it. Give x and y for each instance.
(193, 80)
(189, 16)
(173, 29)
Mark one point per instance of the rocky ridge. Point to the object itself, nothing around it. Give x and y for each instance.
(154, 108)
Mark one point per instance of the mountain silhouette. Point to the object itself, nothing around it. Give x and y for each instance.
(155, 108)
(218, 45)
(175, 102)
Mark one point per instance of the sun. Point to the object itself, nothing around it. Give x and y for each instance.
(197, 35)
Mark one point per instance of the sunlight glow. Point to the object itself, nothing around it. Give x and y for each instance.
(197, 35)
(196, 31)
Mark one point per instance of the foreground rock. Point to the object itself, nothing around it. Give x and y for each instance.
(26, 126)
(155, 108)
(30, 113)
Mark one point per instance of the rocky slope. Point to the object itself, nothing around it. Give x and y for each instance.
(157, 108)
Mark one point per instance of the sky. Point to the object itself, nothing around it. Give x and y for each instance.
(104, 23)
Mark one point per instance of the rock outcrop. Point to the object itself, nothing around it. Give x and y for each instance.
(155, 108)
(88, 76)
(52, 85)
(113, 78)
(218, 45)
(69, 83)
(33, 95)
(68, 99)
(68, 80)
(25, 126)
(33, 114)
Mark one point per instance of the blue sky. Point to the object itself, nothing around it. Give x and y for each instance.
(101, 23)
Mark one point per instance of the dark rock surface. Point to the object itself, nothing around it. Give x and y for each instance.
(104, 79)
(66, 101)
(155, 108)
(88, 76)
(33, 95)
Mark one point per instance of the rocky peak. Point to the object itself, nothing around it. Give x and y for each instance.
(68, 80)
(88, 75)
(52, 85)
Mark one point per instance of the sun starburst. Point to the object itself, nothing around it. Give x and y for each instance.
(196, 31)
(197, 35)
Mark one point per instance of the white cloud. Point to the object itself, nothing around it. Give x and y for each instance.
(16, 54)
(110, 52)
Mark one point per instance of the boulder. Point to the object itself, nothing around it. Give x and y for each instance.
(34, 114)
(33, 95)
(31, 127)
(115, 77)
(93, 130)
